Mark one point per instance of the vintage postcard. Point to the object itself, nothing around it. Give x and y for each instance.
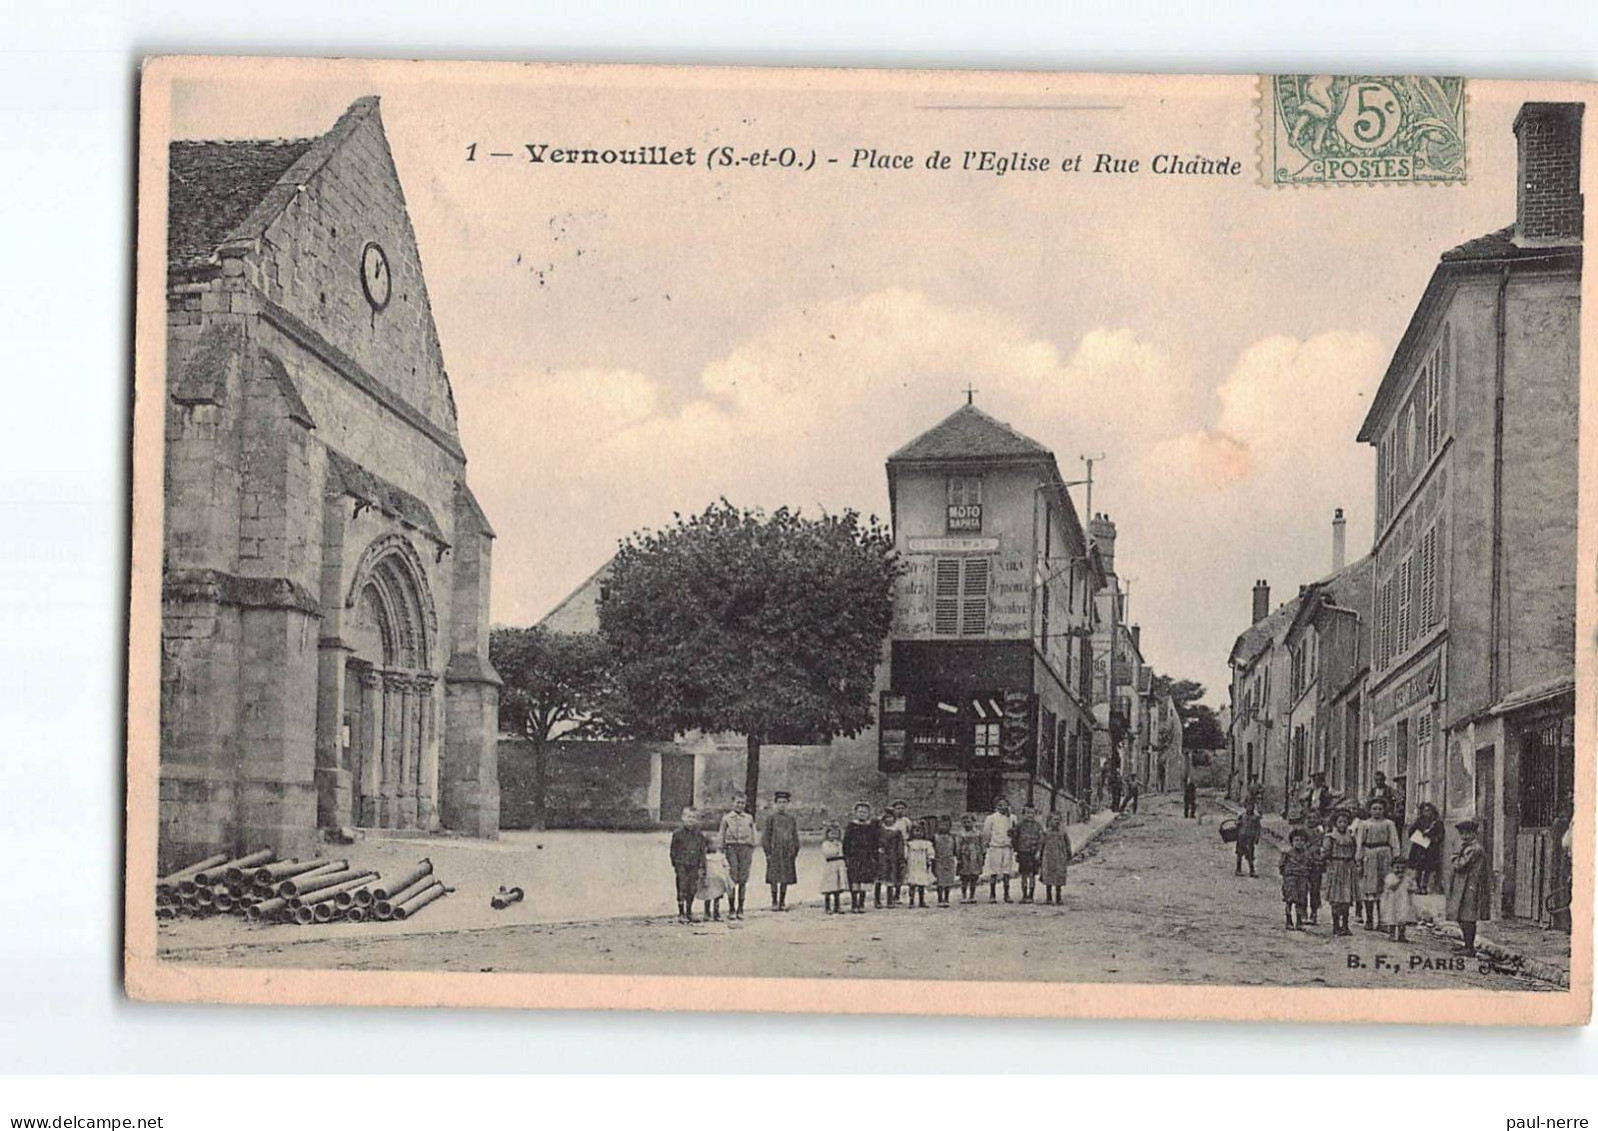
(862, 542)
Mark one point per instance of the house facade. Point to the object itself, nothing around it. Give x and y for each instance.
(326, 569)
(1470, 703)
(990, 661)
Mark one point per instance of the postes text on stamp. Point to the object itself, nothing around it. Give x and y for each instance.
(1365, 129)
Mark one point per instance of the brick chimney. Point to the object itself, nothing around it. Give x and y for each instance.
(1137, 638)
(1262, 601)
(1548, 173)
(1101, 532)
(1339, 541)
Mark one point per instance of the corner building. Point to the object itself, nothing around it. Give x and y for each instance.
(990, 655)
(324, 658)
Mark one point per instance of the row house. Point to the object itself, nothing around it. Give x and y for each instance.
(1472, 655)
(1445, 659)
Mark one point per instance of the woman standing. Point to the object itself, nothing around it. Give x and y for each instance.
(1426, 848)
(1375, 844)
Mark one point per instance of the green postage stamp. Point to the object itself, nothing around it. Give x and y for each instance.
(1365, 129)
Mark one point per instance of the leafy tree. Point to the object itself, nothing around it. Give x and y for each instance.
(552, 680)
(736, 620)
(1201, 728)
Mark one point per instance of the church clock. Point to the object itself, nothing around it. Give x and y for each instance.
(375, 278)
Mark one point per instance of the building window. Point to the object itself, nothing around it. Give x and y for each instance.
(1434, 417)
(965, 504)
(960, 597)
(986, 743)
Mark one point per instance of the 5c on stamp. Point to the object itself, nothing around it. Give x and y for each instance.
(1365, 129)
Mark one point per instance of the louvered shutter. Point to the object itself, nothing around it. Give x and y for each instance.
(946, 597)
(974, 598)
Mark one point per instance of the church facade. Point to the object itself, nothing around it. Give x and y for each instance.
(326, 567)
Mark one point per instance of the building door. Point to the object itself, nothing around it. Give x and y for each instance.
(676, 784)
(984, 783)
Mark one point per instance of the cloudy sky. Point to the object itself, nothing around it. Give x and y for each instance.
(627, 343)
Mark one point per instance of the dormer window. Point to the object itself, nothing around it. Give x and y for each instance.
(965, 505)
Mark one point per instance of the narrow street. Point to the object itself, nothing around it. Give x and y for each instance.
(1154, 900)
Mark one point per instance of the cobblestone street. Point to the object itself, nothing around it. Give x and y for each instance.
(1153, 900)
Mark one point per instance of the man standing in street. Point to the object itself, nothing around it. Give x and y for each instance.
(1190, 798)
(738, 846)
(780, 842)
(1134, 787)
(998, 829)
(1116, 785)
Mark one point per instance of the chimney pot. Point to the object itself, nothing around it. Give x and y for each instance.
(1262, 601)
(1339, 540)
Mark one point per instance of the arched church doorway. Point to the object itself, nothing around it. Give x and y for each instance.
(389, 702)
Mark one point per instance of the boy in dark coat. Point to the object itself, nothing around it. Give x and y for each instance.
(688, 862)
(1190, 798)
(860, 856)
(1028, 838)
(1470, 884)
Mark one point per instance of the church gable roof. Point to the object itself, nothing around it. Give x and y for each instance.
(221, 191)
(970, 433)
(213, 185)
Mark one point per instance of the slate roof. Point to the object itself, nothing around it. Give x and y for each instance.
(213, 185)
(218, 190)
(970, 433)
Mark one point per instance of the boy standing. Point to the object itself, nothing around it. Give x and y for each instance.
(780, 842)
(738, 846)
(1295, 868)
(688, 862)
(1028, 850)
(1248, 838)
(1190, 798)
(998, 831)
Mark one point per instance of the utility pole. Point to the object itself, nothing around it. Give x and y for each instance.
(1090, 461)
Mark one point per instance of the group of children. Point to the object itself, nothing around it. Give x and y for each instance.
(891, 857)
(888, 856)
(1354, 859)
(1353, 863)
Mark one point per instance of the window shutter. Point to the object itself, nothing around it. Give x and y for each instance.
(946, 597)
(1404, 571)
(974, 598)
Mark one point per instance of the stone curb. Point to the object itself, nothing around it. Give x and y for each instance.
(1517, 963)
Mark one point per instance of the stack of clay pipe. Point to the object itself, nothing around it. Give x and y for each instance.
(262, 889)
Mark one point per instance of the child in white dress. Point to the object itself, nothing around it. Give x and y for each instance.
(918, 865)
(716, 882)
(1398, 900)
(834, 874)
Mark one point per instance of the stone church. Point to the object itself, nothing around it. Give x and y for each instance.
(326, 571)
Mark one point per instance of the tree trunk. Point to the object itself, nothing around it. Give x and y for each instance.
(752, 774)
(540, 782)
